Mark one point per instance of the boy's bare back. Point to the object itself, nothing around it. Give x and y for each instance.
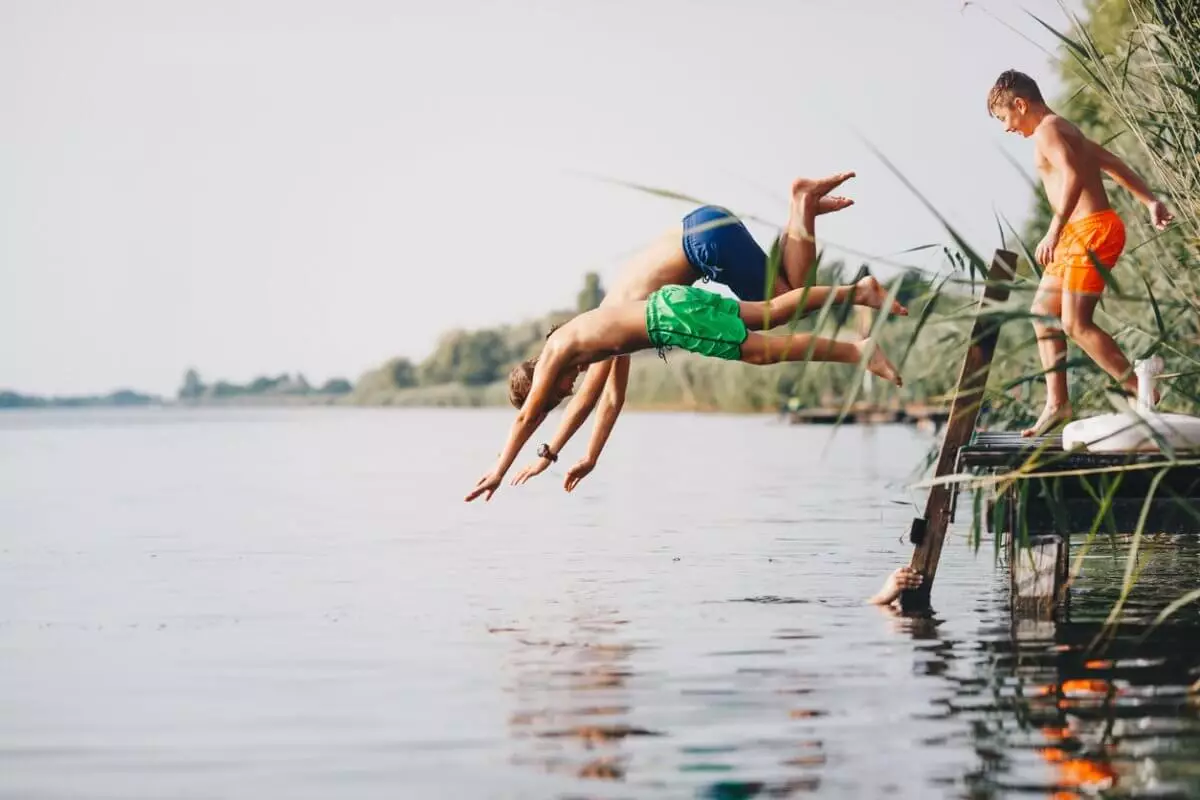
(610, 330)
(1058, 144)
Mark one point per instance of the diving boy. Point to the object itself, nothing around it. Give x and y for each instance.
(713, 245)
(687, 317)
(1084, 227)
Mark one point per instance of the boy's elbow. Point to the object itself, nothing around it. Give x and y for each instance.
(614, 399)
(528, 414)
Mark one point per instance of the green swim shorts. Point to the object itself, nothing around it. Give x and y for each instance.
(695, 320)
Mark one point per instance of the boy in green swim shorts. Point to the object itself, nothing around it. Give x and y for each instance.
(688, 318)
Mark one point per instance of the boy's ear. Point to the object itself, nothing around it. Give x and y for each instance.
(1020, 105)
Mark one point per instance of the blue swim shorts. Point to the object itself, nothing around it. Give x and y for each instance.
(721, 249)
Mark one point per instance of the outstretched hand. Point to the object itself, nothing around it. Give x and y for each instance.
(536, 468)
(578, 472)
(488, 483)
(902, 578)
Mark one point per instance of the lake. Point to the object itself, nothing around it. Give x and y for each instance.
(231, 603)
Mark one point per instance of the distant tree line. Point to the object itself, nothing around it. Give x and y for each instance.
(121, 397)
(474, 358)
(194, 389)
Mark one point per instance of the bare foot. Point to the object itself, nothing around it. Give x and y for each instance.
(868, 292)
(817, 188)
(1052, 415)
(833, 202)
(878, 363)
(903, 578)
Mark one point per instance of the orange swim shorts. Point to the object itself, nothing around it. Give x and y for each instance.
(1103, 234)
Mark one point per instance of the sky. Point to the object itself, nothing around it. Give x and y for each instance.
(268, 186)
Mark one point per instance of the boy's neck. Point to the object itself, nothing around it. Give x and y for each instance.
(1038, 112)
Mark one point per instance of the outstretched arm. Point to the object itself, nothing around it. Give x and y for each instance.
(1130, 181)
(577, 411)
(531, 415)
(610, 408)
(1120, 172)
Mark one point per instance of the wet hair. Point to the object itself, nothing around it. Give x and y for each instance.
(1012, 84)
(520, 379)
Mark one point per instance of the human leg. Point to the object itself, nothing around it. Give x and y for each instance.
(1052, 350)
(810, 197)
(763, 350)
(866, 292)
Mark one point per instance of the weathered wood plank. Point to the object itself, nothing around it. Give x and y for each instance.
(1039, 576)
(928, 532)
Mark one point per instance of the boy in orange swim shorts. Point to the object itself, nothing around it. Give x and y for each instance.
(1084, 230)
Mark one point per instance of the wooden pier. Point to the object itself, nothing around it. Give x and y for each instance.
(923, 416)
(1056, 495)
(1040, 496)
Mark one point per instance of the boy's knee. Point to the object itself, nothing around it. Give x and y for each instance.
(1046, 322)
(1076, 327)
(755, 357)
(1039, 309)
(754, 352)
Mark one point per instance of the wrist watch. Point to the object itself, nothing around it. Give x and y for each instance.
(544, 452)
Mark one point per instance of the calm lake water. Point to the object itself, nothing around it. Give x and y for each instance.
(298, 604)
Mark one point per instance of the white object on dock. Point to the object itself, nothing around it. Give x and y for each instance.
(1140, 427)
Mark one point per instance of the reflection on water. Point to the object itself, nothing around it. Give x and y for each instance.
(579, 701)
(1080, 707)
(573, 707)
(1066, 709)
(297, 604)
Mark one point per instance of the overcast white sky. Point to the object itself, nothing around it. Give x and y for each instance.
(264, 186)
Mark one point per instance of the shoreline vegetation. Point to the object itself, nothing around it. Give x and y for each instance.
(469, 369)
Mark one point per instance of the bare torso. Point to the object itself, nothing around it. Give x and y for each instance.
(613, 329)
(1082, 154)
(661, 264)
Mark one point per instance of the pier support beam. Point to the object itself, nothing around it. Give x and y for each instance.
(1039, 576)
(929, 531)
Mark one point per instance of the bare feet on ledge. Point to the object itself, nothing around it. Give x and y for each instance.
(903, 578)
(877, 362)
(1052, 416)
(868, 292)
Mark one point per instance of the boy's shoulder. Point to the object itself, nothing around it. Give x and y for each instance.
(1054, 127)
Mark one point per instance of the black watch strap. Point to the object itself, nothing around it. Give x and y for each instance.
(544, 452)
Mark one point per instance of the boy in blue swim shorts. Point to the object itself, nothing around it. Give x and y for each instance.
(687, 317)
(713, 245)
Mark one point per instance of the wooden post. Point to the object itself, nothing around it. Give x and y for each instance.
(929, 531)
(1038, 576)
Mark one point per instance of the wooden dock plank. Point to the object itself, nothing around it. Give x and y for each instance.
(929, 531)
